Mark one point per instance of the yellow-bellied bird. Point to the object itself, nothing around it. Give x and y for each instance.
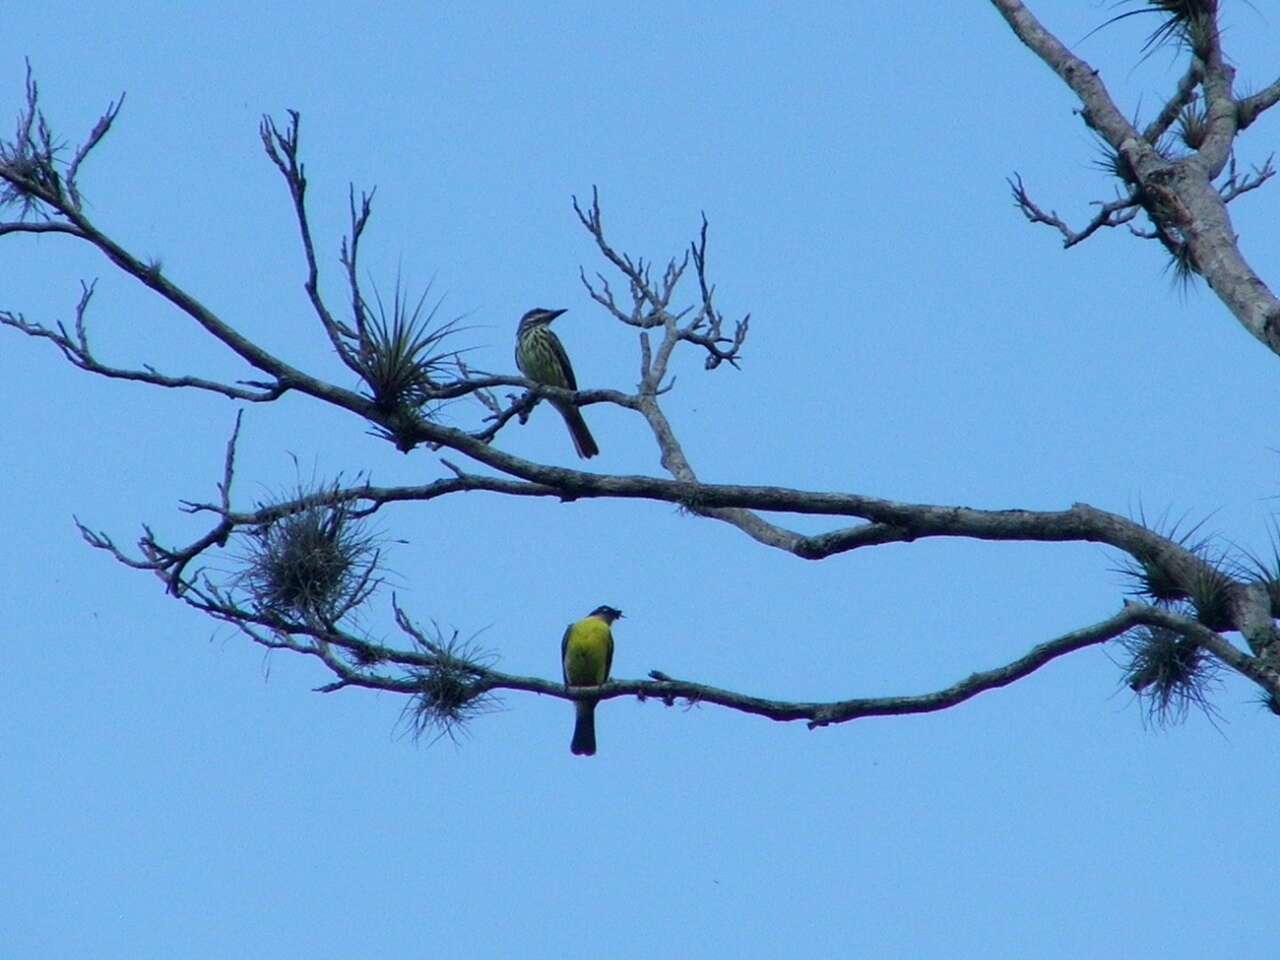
(587, 654)
(540, 356)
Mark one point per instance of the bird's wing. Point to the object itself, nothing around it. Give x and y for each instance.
(570, 381)
(564, 648)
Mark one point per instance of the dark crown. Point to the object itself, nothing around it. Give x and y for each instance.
(539, 315)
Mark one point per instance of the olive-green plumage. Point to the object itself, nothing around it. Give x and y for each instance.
(586, 654)
(541, 357)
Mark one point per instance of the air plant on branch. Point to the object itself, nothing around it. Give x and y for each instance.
(316, 563)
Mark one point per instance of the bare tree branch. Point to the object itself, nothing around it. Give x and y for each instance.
(99, 131)
(39, 226)
(1189, 214)
(305, 565)
(651, 301)
(371, 658)
(1184, 94)
(1235, 186)
(74, 345)
(1250, 108)
(1112, 214)
(282, 148)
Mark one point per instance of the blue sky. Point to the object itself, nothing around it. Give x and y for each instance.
(171, 791)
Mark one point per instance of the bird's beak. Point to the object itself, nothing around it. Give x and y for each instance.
(552, 314)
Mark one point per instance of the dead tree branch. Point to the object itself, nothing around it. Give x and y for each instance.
(1112, 214)
(1177, 192)
(305, 563)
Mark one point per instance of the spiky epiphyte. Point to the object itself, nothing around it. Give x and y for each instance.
(1210, 594)
(448, 692)
(367, 654)
(1193, 125)
(30, 158)
(1203, 591)
(1152, 582)
(400, 356)
(317, 562)
(1181, 264)
(1266, 570)
(1169, 673)
(1116, 164)
(1190, 23)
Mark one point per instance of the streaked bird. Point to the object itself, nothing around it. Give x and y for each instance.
(540, 356)
(587, 655)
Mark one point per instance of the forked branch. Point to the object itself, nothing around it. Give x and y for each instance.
(1175, 190)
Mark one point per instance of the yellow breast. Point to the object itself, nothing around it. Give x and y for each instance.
(588, 649)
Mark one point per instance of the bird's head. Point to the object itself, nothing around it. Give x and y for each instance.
(538, 316)
(606, 613)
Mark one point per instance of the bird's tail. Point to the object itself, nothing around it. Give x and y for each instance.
(584, 730)
(583, 441)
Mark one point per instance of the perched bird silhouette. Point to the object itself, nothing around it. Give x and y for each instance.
(587, 654)
(541, 357)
